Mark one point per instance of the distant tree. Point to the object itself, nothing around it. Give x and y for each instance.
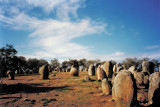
(145, 59)
(22, 62)
(55, 63)
(156, 64)
(113, 62)
(89, 62)
(42, 62)
(65, 64)
(128, 62)
(8, 60)
(82, 62)
(32, 63)
(74, 63)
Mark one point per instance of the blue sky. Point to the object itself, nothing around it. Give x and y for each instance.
(75, 29)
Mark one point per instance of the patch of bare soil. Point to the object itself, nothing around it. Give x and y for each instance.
(61, 90)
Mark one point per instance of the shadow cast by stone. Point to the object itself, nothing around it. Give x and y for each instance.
(29, 88)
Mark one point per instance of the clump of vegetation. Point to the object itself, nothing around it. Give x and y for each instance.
(46, 101)
(64, 89)
(98, 81)
(83, 80)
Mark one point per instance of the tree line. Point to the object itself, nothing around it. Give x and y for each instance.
(10, 61)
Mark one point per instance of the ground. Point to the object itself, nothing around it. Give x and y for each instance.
(61, 90)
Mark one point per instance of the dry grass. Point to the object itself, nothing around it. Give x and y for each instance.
(61, 90)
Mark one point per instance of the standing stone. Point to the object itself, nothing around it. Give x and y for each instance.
(113, 77)
(132, 69)
(114, 69)
(85, 70)
(106, 88)
(81, 69)
(148, 66)
(124, 67)
(44, 72)
(74, 71)
(154, 82)
(100, 73)
(139, 77)
(108, 68)
(124, 89)
(119, 69)
(118, 64)
(91, 70)
(10, 74)
(146, 79)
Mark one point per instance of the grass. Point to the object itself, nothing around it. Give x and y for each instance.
(46, 101)
(98, 81)
(83, 102)
(75, 77)
(79, 91)
(65, 89)
(83, 80)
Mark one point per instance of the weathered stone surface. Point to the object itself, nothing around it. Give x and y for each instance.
(108, 68)
(68, 69)
(10, 74)
(154, 82)
(91, 70)
(118, 64)
(106, 88)
(132, 69)
(119, 69)
(139, 77)
(74, 71)
(44, 72)
(100, 73)
(124, 89)
(85, 70)
(148, 67)
(81, 68)
(114, 69)
(124, 67)
(113, 77)
(146, 78)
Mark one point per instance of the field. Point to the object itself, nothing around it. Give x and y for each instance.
(61, 90)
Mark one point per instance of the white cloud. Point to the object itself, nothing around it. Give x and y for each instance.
(151, 55)
(61, 8)
(153, 47)
(52, 38)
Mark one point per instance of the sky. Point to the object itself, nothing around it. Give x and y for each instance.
(75, 29)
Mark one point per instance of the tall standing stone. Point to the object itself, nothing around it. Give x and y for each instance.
(81, 68)
(154, 82)
(148, 66)
(11, 74)
(132, 69)
(44, 72)
(139, 77)
(119, 69)
(108, 68)
(146, 79)
(124, 67)
(85, 70)
(91, 70)
(74, 71)
(106, 88)
(124, 89)
(114, 69)
(100, 73)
